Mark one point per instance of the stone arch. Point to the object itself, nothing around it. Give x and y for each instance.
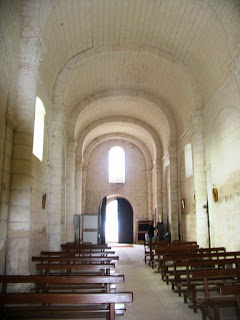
(141, 124)
(64, 74)
(134, 140)
(144, 95)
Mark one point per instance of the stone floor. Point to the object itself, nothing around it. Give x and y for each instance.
(153, 299)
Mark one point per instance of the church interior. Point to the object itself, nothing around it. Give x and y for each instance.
(148, 87)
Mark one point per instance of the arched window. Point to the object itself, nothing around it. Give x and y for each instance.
(38, 135)
(188, 161)
(116, 165)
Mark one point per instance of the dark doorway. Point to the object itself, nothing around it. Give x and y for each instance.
(125, 221)
(102, 221)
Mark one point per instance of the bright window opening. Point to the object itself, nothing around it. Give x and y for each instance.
(38, 136)
(111, 228)
(188, 161)
(116, 165)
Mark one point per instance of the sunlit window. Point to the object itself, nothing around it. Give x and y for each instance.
(38, 136)
(116, 165)
(188, 161)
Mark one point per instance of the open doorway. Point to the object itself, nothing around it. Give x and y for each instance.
(117, 225)
(111, 228)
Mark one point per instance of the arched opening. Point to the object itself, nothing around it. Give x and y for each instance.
(116, 221)
(116, 163)
(111, 227)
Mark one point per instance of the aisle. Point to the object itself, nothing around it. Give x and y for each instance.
(153, 299)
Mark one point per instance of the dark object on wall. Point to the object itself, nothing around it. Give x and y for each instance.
(103, 220)
(44, 198)
(160, 230)
(77, 224)
(167, 237)
(215, 194)
(142, 230)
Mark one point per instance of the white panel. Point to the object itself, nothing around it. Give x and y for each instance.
(90, 237)
(90, 222)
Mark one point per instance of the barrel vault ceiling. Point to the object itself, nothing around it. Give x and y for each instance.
(135, 67)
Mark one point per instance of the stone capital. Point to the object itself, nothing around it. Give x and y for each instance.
(32, 48)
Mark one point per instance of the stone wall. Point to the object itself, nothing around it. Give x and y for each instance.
(187, 214)
(134, 189)
(222, 138)
(9, 43)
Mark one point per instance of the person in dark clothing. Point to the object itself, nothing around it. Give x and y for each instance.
(151, 231)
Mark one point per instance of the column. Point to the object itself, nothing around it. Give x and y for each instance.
(17, 259)
(78, 197)
(9, 131)
(164, 195)
(71, 147)
(150, 197)
(158, 186)
(199, 179)
(173, 192)
(57, 178)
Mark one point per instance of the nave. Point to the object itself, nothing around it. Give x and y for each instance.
(152, 298)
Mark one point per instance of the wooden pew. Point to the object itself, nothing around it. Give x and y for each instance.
(157, 247)
(74, 269)
(185, 279)
(85, 247)
(230, 290)
(62, 285)
(73, 259)
(213, 301)
(159, 252)
(169, 260)
(77, 253)
(61, 305)
(43, 283)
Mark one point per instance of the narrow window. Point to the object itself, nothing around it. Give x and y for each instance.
(116, 165)
(38, 135)
(188, 161)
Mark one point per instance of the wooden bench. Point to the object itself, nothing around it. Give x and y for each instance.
(73, 259)
(230, 290)
(77, 253)
(159, 252)
(84, 247)
(43, 283)
(169, 260)
(213, 301)
(174, 246)
(37, 286)
(74, 269)
(61, 305)
(183, 270)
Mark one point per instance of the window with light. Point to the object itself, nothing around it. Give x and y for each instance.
(116, 165)
(188, 160)
(38, 136)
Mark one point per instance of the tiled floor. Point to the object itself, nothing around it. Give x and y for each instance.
(153, 299)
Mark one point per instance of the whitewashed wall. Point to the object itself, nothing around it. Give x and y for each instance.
(222, 140)
(134, 189)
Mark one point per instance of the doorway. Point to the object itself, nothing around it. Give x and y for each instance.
(119, 221)
(111, 227)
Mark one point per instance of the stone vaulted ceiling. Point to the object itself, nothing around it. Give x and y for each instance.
(144, 65)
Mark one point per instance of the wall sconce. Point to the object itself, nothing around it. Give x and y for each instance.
(183, 203)
(215, 193)
(44, 197)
